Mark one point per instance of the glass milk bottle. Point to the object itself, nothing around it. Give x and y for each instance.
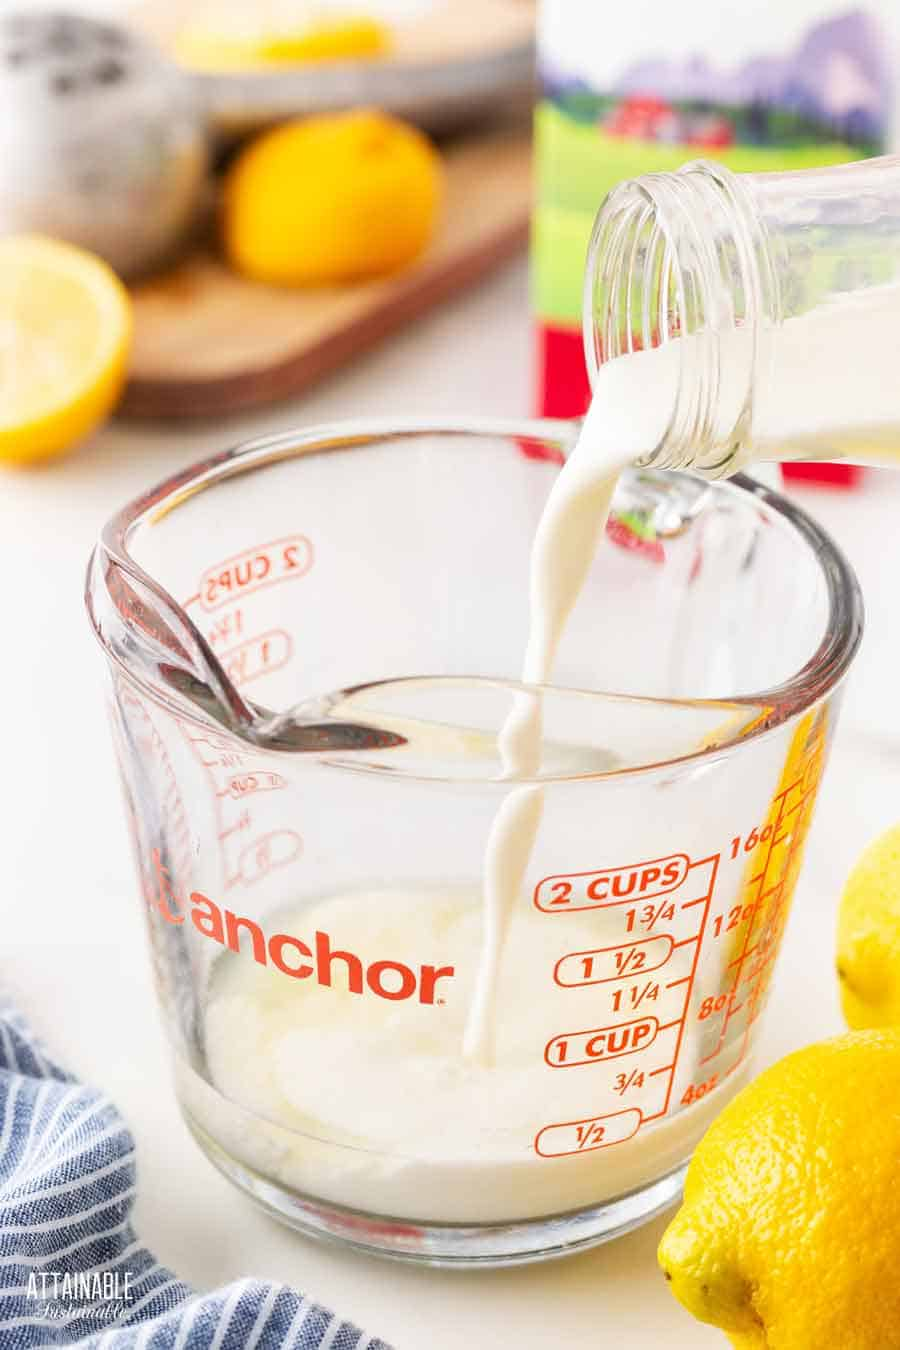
(644, 87)
(767, 306)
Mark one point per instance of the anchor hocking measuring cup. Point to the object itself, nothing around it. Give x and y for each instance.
(313, 643)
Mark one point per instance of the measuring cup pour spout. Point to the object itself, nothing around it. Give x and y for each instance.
(145, 632)
(148, 634)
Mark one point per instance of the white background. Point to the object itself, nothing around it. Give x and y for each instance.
(600, 44)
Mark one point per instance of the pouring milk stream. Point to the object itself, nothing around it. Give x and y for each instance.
(626, 420)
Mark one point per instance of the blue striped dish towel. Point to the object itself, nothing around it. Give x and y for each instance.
(72, 1272)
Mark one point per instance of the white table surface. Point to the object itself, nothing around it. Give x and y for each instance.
(72, 940)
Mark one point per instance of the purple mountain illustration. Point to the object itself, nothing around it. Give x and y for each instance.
(837, 75)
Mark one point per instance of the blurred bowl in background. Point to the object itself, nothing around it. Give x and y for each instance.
(103, 140)
(449, 65)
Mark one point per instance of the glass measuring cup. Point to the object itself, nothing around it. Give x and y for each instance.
(313, 643)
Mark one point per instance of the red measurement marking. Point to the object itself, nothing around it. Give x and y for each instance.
(631, 997)
(264, 565)
(612, 963)
(626, 966)
(625, 1081)
(276, 849)
(243, 784)
(226, 629)
(582, 1136)
(211, 740)
(573, 891)
(768, 940)
(713, 861)
(241, 823)
(696, 1091)
(258, 656)
(648, 915)
(177, 831)
(601, 1043)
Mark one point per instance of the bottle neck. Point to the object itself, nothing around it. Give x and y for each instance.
(686, 255)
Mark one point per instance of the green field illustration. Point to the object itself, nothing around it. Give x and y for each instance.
(580, 158)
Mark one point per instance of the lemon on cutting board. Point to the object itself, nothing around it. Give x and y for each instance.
(65, 329)
(789, 1232)
(336, 198)
(868, 939)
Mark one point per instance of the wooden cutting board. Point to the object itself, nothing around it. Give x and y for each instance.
(208, 342)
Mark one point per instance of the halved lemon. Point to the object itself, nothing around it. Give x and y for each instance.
(65, 333)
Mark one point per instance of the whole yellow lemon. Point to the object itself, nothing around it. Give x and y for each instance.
(868, 946)
(331, 199)
(789, 1231)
